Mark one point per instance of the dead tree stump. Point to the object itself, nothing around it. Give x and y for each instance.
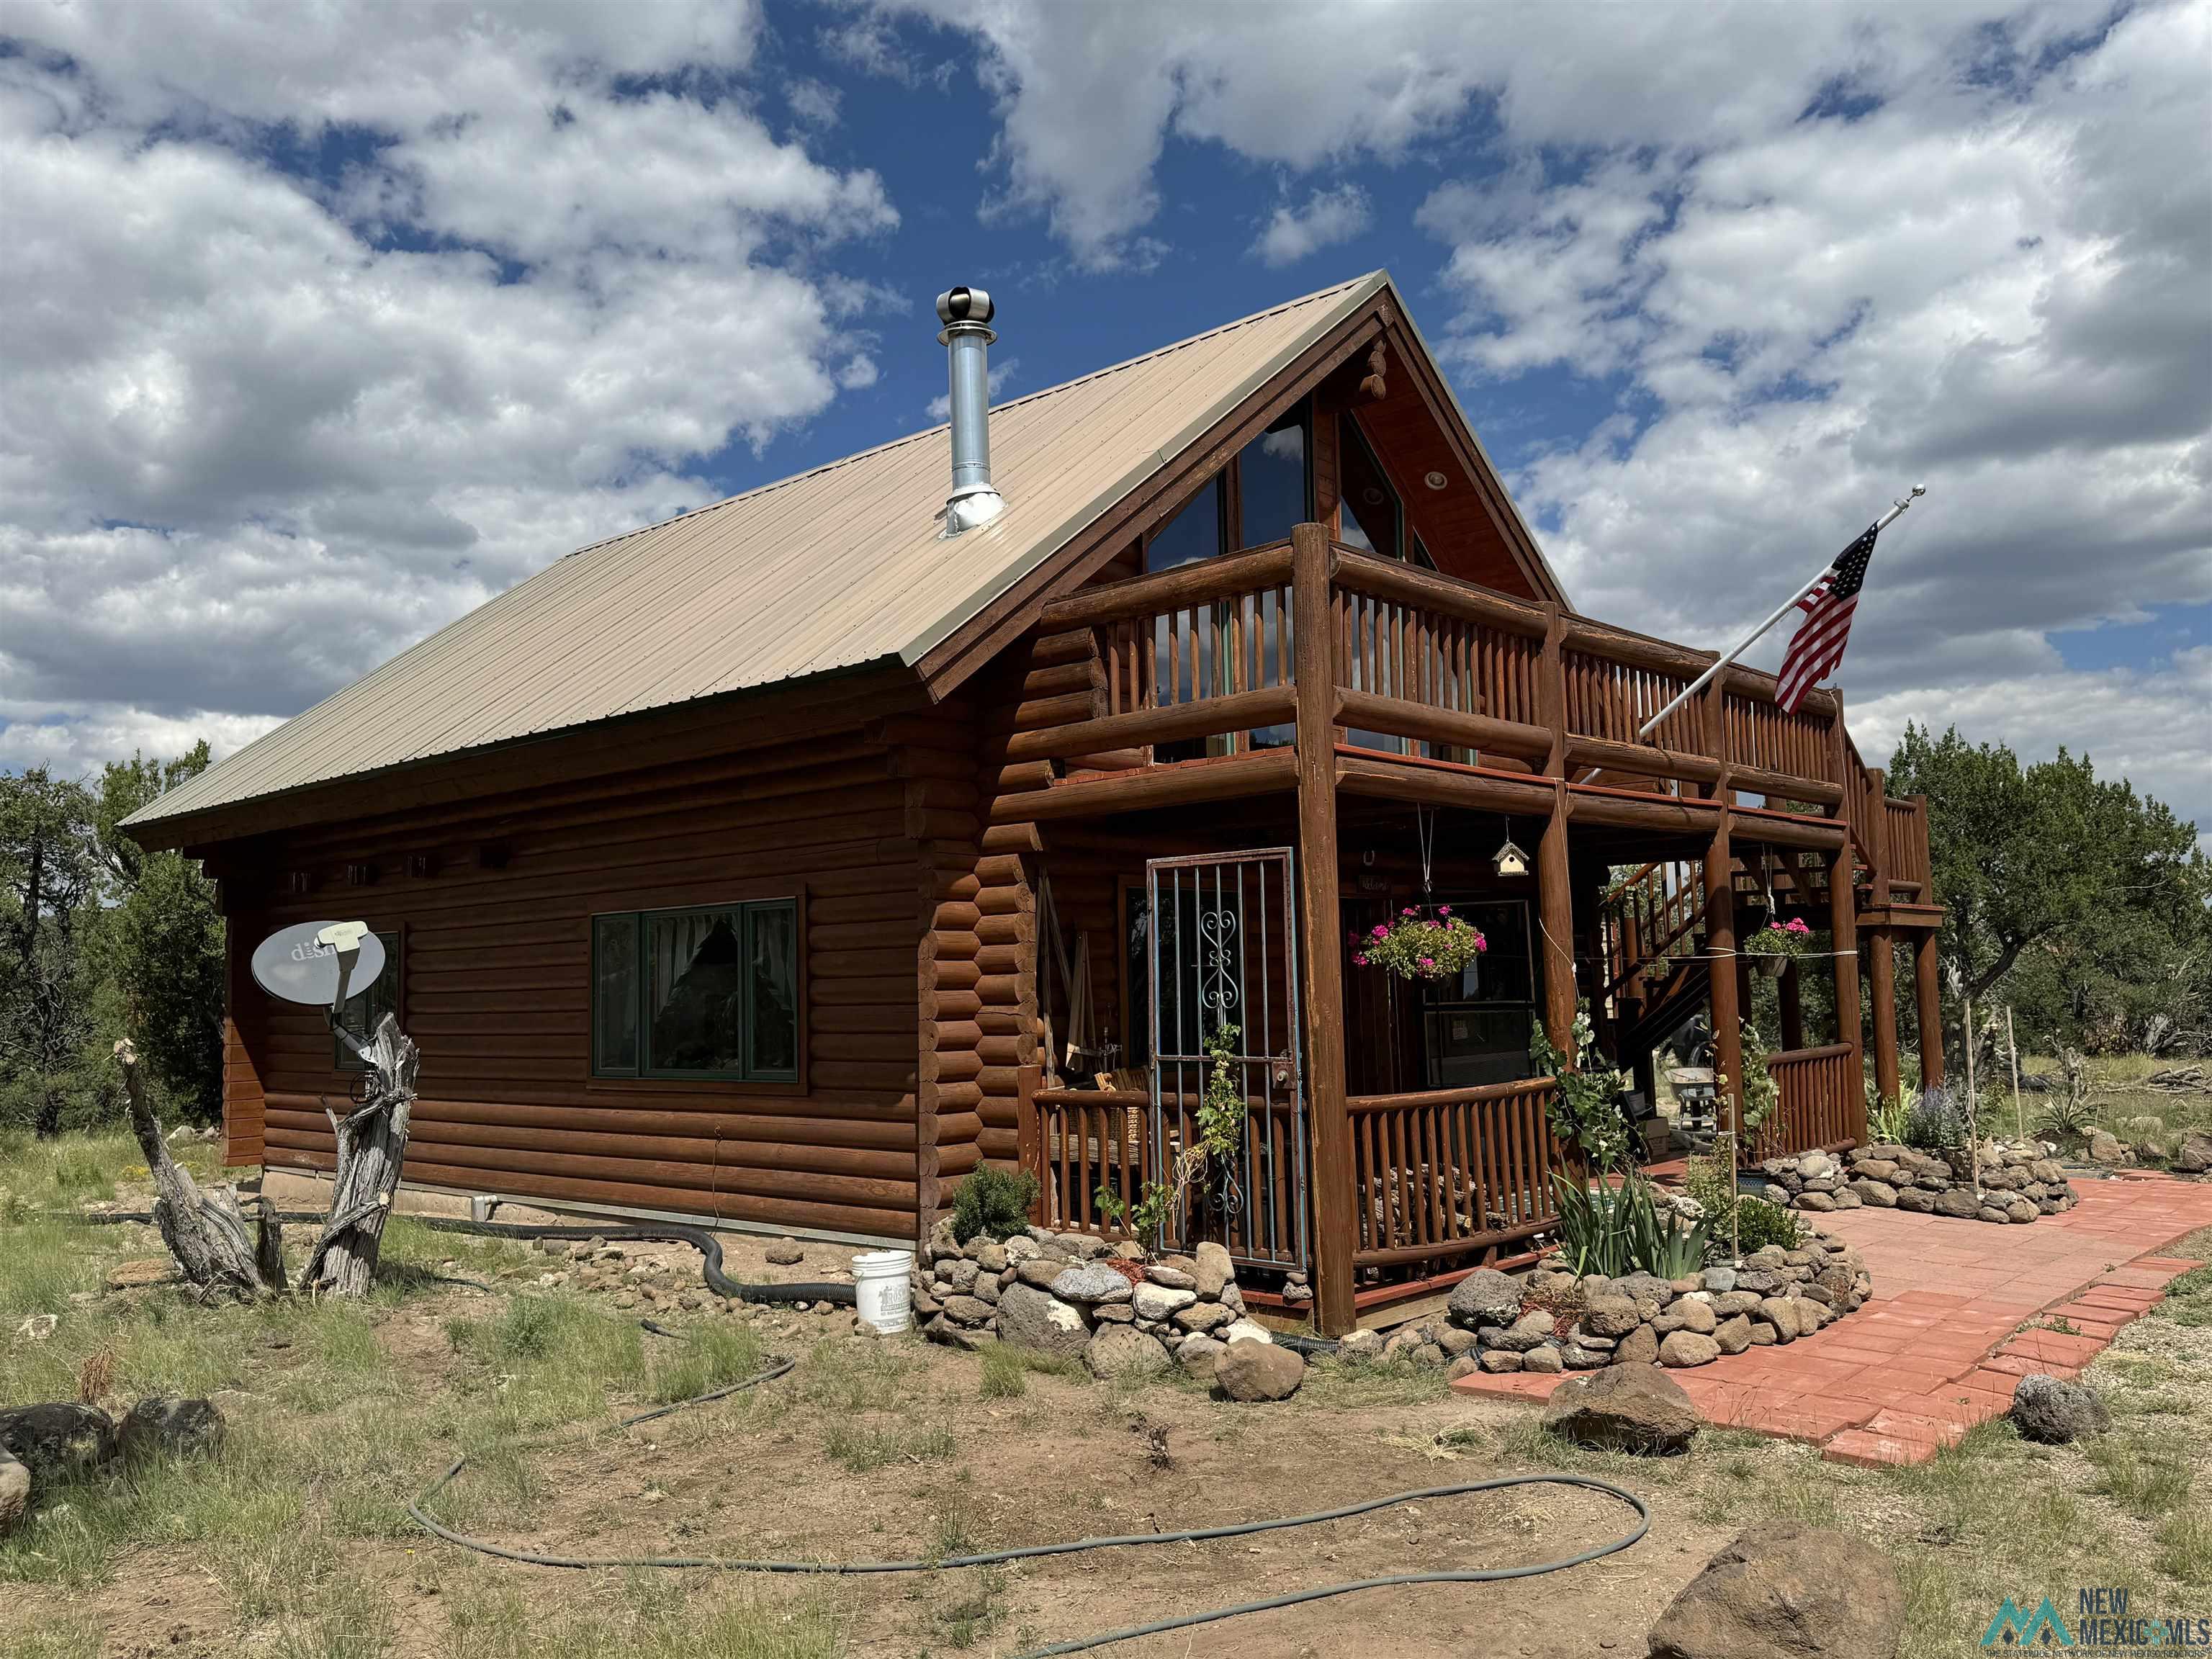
(372, 1144)
(205, 1231)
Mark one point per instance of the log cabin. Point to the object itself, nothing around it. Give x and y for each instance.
(786, 862)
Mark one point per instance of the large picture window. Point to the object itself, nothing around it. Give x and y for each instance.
(711, 992)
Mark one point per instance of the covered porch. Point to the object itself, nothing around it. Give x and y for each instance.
(1295, 723)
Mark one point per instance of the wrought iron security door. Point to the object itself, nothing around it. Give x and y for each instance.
(1223, 978)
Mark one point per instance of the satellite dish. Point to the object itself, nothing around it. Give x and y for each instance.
(298, 965)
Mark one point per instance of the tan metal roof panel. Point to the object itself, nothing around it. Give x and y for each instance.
(831, 569)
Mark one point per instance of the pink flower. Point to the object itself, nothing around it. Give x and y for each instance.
(1357, 960)
(1432, 925)
(1443, 910)
(1797, 925)
(1377, 931)
(1428, 962)
(1480, 943)
(1408, 911)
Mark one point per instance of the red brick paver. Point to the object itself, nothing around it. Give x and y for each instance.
(1940, 1345)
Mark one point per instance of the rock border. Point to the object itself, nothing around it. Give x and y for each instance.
(1555, 1321)
(2019, 1184)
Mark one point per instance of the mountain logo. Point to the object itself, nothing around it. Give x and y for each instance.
(2011, 1626)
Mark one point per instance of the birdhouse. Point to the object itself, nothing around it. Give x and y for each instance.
(1509, 859)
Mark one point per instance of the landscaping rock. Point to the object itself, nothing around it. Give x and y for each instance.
(163, 1426)
(969, 1310)
(1816, 1202)
(1639, 1347)
(1542, 1359)
(1258, 1370)
(1499, 1359)
(1719, 1281)
(1360, 1346)
(1090, 1284)
(15, 1493)
(1697, 1315)
(1123, 1350)
(1485, 1297)
(1732, 1335)
(1532, 1329)
(2053, 1412)
(942, 1329)
(2104, 1148)
(1610, 1314)
(1199, 1354)
(1918, 1200)
(1958, 1201)
(1029, 1318)
(1636, 1408)
(1244, 1330)
(1210, 1269)
(1787, 1591)
(1155, 1301)
(1203, 1316)
(785, 1253)
(2194, 1155)
(1175, 1279)
(1683, 1349)
(57, 1442)
(1880, 1194)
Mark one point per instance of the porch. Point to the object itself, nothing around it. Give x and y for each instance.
(1322, 703)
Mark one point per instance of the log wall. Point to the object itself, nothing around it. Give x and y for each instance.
(494, 899)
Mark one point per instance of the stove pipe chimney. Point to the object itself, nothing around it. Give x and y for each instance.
(966, 313)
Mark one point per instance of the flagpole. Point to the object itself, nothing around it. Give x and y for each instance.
(1700, 684)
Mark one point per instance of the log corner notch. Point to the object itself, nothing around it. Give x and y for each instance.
(206, 1231)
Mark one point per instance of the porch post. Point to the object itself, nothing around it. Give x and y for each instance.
(1720, 979)
(1843, 931)
(1555, 896)
(1788, 993)
(1881, 991)
(1931, 1010)
(1322, 995)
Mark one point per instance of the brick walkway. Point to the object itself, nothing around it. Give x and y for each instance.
(1938, 1348)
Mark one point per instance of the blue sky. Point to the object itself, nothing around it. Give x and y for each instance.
(340, 321)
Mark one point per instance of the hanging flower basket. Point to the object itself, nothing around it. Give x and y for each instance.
(1777, 944)
(1417, 947)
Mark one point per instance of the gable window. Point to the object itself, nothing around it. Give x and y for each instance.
(710, 992)
(1371, 519)
(365, 1009)
(1266, 488)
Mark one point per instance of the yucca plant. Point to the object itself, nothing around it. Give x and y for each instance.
(1616, 1230)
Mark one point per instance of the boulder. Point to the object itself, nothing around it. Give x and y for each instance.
(969, 1310)
(1820, 1202)
(1644, 1289)
(2194, 1155)
(2104, 1148)
(1039, 1271)
(1640, 1347)
(1499, 1359)
(942, 1329)
(2046, 1409)
(1783, 1590)
(1258, 1370)
(1202, 1317)
(1542, 1359)
(1485, 1297)
(1719, 1281)
(15, 1493)
(1878, 1193)
(1697, 1315)
(1198, 1354)
(1091, 1282)
(59, 1441)
(1610, 1314)
(1958, 1201)
(1210, 1269)
(1629, 1407)
(1732, 1335)
(1244, 1330)
(1175, 1278)
(987, 1254)
(1781, 1312)
(1683, 1349)
(1531, 1330)
(1029, 1318)
(1124, 1350)
(1360, 1348)
(1918, 1200)
(1159, 1302)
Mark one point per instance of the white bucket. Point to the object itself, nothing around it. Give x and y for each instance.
(880, 1286)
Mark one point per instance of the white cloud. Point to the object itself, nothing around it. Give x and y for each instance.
(1823, 253)
(262, 430)
(1328, 217)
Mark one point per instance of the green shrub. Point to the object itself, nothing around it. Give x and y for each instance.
(2067, 1120)
(993, 1201)
(1759, 1224)
(1939, 1121)
(1616, 1230)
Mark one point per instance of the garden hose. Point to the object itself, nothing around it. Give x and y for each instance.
(1126, 1540)
(709, 1246)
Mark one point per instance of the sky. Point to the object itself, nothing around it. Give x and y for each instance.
(326, 324)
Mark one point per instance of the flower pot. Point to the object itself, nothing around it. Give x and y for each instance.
(1771, 966)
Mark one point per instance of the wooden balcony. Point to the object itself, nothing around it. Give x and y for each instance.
(1198, 666)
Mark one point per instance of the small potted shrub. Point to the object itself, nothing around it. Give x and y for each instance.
(1417, 947)
(1777, 944)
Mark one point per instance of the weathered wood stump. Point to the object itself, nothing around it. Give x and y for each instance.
(205, 1231)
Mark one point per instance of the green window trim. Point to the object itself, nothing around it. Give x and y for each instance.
(765, 935)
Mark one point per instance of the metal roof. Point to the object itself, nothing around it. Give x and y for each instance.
(828, 569)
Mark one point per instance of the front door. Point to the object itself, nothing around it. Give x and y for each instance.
(1224, 1013)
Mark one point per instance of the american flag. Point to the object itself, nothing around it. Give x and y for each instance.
(1818, 645)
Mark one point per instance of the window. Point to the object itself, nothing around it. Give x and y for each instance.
(365, 1009)
(1372, 519)
(1273, 490)
(1193, 534)
(705, 993)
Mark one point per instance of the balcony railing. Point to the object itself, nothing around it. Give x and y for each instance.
(1450, 1173)
(1822, 1103)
